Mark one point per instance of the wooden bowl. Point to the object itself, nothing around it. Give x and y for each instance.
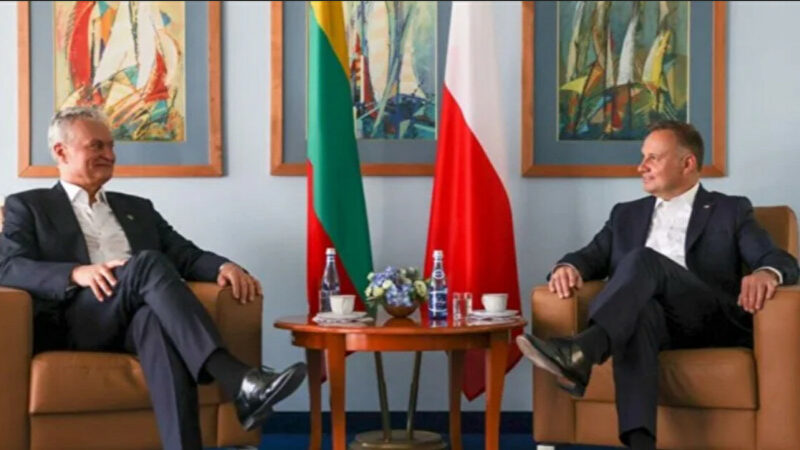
(400, 310)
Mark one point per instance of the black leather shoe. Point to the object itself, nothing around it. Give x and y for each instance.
(261, 389)
(561, 357)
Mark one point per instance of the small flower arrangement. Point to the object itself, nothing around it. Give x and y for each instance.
(392, 287)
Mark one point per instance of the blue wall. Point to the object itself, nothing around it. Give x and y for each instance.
(259, 220)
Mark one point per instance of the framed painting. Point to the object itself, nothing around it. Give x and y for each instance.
(396, 59)
(595, 75)
(153, 67)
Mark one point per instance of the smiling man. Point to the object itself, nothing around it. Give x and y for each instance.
(106, 273)
(674, 263)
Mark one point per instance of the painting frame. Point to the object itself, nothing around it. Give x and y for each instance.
(279, 165)
(714, 167)
(26, 168)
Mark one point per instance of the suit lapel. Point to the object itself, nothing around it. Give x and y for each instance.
(126, 218)
(701, 211)
(641, 225)
(63, 218)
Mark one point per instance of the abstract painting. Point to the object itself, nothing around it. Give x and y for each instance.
(392, 50)
(597, 74)
(128, 58)
(135, 60)
(621, 66)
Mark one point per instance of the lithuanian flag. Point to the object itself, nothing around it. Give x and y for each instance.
(337, 215)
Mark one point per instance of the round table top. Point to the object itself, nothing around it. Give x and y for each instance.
(385, 324)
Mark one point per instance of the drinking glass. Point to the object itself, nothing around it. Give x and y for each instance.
(457, 307)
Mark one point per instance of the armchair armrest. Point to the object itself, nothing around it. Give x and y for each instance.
(554, 316)
(776, 335)
(16, 347)
(239, 325)
(554, 420)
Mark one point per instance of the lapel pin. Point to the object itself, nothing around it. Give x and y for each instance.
(130, 217)
(704, 206)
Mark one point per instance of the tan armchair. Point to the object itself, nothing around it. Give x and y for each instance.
(731, 398)
(91, 400)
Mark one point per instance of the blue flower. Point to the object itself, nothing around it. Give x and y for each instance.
(397, 287)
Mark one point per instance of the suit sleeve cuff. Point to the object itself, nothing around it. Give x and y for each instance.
(773, 270)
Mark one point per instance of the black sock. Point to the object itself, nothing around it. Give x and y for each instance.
(227, 370)
(641, 439)
(594, 343)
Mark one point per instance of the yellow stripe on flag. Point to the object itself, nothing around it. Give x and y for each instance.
(330, 18)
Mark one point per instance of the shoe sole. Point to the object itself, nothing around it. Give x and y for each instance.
(542, 361)
(285, 387)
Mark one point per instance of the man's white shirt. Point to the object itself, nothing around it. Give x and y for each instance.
(105, 238)
(669, 224)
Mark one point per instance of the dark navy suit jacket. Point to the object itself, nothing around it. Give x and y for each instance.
(722, 236)
(42, 242)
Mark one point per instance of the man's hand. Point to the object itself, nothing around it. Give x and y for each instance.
(757, 288)
(565, 280)
(245, 287)
(98, 277)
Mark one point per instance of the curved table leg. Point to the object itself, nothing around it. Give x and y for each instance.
(386, 424)
(314, 362)
(496, 357)
(456, 368)
(336, 372)
(412, 397)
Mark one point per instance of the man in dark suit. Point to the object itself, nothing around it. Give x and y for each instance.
(106, 273)
(674, 266)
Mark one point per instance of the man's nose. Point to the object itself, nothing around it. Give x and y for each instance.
(108, 151)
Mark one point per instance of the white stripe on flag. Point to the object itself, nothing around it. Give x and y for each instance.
(472, 79)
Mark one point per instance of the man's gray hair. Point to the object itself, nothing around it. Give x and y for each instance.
(57, 130)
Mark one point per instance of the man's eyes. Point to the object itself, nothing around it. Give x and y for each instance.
(98, 145)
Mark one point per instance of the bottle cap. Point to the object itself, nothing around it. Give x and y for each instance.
(438, 254)
(330, 251)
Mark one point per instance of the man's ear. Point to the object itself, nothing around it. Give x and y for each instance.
(690, 163)
(59, 153)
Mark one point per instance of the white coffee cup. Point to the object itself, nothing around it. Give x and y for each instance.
(342, 303)
(494, 302)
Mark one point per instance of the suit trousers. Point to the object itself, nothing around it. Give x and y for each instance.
(153, 314)
(649, 304)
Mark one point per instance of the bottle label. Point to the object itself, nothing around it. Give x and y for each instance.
(437, 304)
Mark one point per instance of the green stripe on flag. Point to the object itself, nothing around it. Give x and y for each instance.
(333, 153)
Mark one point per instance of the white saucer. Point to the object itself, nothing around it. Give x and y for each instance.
(483, 314)
(355, 315)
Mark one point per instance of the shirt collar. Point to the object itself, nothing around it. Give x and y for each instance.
(687, 198)
(77, 194)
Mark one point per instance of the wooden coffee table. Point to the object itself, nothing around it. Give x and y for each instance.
(390, 334)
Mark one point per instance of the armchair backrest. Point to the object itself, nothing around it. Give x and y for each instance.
(781, 224)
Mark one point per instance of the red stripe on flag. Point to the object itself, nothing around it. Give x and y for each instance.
(471, 222)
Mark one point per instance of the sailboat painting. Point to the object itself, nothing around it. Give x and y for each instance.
(127, 58)
(622, 65)
(392, 57)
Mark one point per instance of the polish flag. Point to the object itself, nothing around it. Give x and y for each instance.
(470, 211)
